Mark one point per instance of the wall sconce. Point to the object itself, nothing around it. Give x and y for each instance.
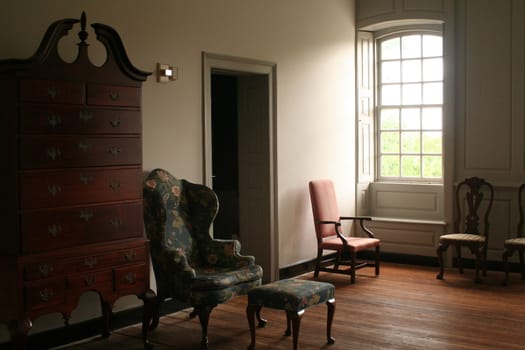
(166, 73)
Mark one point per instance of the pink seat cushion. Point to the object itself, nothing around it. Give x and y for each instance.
(354, 243)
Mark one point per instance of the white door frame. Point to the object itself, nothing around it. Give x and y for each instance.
(238, 65)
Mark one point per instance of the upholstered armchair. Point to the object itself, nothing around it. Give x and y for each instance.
(189, 265)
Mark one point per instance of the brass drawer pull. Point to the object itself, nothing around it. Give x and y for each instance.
(114, 95)
(115, 123)
(53, 153)
(90, 261)
(85, 116)
(115, 151)
(45, 270)
(86, 214)
(85, 179)
(130, 277)
(52, 92)
(54, 229)
(90, 280)
(130, 255)
(54, 120)
(54, 189)
(84, 147)
(115, 185)
(116, 223)
(46, 294)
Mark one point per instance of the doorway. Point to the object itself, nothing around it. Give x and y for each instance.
(239, 97)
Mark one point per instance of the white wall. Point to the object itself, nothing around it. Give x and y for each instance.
(312, 43)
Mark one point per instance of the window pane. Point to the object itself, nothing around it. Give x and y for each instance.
(410, 119)
(411, 94)
(390, 166)
(410, 166)
(410, 142)
(411, 71)
(433, 93)
(391, 72)
(390, 142)
(432, 166)
(389, 119)
(432, 46)
(411, 46)
(432, 69)
(432, 142)
(390, 49)
(432, 118)
(391, 95)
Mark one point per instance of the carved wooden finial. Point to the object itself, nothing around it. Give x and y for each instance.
(83, 34)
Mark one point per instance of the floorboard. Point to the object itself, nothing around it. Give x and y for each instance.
(404, 308)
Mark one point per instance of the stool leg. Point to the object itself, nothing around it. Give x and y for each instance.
(250, 314)
(295, 319)
(330, 317)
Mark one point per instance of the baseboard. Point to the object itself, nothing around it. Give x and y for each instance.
(91, 328)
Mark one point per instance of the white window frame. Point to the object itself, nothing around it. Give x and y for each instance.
(380, 198)
(380, 37)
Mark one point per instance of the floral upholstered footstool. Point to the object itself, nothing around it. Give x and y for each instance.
(292, 296)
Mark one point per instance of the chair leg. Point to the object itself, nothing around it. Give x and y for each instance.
(441, 249)
(150, 317)
(318, 262)
(329, 319)
(460, 260)
(378, 260)
(522, 265)
(505, 257)
(484, 261)
(204, 316)
(352, 267)
(293, 318)
(478, 252)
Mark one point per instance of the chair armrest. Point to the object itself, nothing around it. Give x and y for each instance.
(226, 252)
(337, 229)
(361, 220)
(175, 261)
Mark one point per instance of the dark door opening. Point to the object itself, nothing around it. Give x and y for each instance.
(225, 168)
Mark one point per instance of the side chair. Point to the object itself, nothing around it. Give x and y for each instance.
(473, 203)
(516, 244)
(330, 237)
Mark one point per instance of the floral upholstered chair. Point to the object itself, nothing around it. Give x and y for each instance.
(189, 265)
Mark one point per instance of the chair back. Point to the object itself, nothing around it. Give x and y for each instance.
(178, 215)
(324, 207)
(521, 194)
(473, 203)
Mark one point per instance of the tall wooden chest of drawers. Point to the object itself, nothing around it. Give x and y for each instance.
(71, 186)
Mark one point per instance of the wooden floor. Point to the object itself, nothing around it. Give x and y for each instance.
(404, 308)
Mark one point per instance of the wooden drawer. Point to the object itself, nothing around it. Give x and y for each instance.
(113, 95)
(109, 259)
(96, 280)
(44, 293)
(35, 119)
(50, 91)
(81, 259)
(130, 277)
(81, 150)
(45, 189)
(46, 230)
(46, 268)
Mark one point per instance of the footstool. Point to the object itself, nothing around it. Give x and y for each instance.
(292, 296)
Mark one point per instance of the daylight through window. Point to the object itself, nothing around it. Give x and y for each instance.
(410, 107)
